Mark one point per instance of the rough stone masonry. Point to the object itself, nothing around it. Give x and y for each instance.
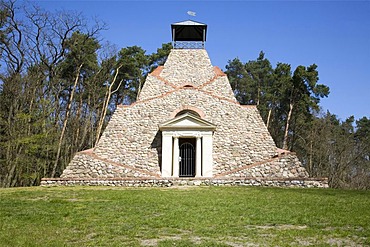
(129, 152)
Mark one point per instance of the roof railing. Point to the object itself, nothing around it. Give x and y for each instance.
(188, 44)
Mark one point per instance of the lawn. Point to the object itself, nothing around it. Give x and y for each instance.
(183, 216)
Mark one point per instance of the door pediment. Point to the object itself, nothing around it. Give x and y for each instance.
(187, 121)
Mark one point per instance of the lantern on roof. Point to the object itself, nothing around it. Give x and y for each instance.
(188, 34)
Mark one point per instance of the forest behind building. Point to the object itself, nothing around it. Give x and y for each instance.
(60, 82)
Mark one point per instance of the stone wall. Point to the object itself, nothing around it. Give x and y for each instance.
(188, 66)
(86, 165)
(220, 87)
(282, 166)
(281, 171)
(154, 86)
(132, 136)
(297, 183)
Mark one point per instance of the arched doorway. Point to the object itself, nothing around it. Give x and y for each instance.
(187, 148)
(194, 136)
(194, 113)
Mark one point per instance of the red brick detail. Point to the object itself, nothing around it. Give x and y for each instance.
(251, 165)
(104, 179)
(248, 106)
(218, 71)
(219, 97)
(282, 151)
(123, 106)
(187, 85)
(163, 80)
(87, 151)
(319, 179)
(91, 154)
(156, 97)
(218, 74)
(186, 107)
(157, 71)
(178, 89)
(209, 82)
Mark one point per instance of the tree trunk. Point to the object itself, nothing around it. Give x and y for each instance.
(65, 121)
(268, 118)
(310, 163)
(87, 124)
(285, 141)
(105, 106)
(76, 139)
(139, 90)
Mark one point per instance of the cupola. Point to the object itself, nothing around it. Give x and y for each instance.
(189, 35)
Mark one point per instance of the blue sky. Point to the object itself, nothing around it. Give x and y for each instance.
(335, 35)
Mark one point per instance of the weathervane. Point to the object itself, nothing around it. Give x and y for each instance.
(191, 13)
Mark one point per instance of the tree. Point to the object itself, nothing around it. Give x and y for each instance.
(81, 58)
(132, 73)
(237, 74)
(106, 101)
(56, 93)
(34, 92)
(361, 173)
(250, 81)
(160, 57)
(302, 95)
(13, 55)
(276, 103)
(135, 67)
(259, 76)
(289, 103)
(280, 95)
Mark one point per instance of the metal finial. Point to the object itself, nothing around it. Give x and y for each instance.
(191, 13)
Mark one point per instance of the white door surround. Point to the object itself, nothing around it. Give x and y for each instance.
(187, 126)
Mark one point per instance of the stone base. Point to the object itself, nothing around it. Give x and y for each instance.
(169, 182)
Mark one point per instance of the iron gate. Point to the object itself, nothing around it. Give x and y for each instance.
(187, 160)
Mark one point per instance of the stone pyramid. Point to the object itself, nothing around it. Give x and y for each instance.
(186, 128)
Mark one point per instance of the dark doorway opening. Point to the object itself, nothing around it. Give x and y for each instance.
(187, 157)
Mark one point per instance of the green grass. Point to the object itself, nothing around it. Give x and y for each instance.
(194, 216)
